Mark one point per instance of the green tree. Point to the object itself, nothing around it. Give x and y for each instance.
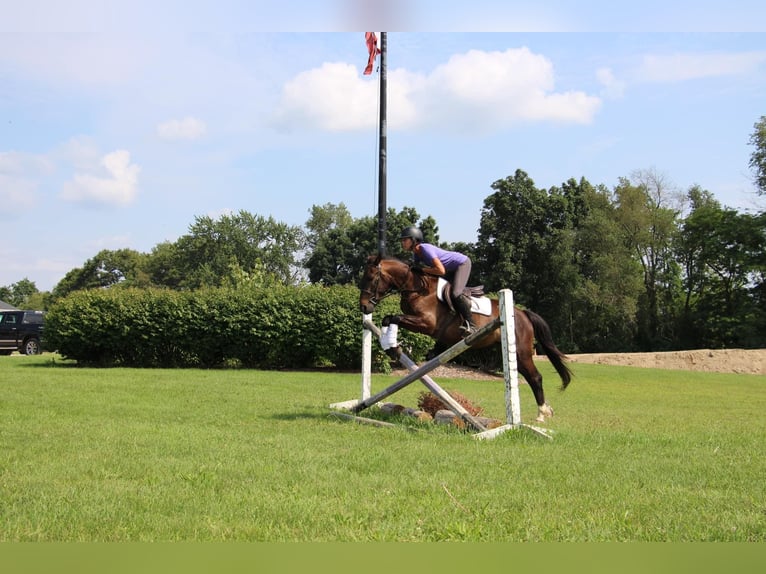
(512, 219)
(334, 259)
(162, 266)
(647, 211)
(339, 248)
(689, 247)
(552, 269)
(325, 218)
(206, 256)
(527, 238)
(609, 282)
(330, 257)
(21, 294)
(108, 268)
(758, 157)
(430, 231)
(722, 253)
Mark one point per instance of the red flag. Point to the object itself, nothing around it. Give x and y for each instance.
(372, 48)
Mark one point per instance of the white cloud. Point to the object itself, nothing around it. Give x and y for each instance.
(186, 129)
(475, 91)
(115, 184)
(499, 89)
(679, 67)
(332, 97)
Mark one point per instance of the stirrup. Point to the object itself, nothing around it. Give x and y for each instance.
(467, 328)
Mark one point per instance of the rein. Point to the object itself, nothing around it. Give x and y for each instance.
(376, 297)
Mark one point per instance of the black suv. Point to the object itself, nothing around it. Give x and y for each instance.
(21, 331)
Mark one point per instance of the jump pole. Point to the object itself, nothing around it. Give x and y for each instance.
(421, 372)
(367, 355)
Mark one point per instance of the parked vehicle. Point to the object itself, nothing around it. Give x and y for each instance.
(21, 331)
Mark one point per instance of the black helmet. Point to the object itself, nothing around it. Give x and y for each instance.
(413, 232)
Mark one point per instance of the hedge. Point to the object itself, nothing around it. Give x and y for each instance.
(277, 328)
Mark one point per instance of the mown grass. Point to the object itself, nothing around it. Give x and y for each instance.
(194, 455)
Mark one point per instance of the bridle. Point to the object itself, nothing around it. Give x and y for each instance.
(375, 296)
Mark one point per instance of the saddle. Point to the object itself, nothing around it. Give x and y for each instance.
(480, 303)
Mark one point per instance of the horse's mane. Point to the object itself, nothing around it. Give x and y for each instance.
(426, 281)
(380, 257)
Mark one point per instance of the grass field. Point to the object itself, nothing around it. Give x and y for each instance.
(192, 455)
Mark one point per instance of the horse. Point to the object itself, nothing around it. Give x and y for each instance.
(425, 313)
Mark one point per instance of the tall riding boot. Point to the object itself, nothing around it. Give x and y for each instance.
(463, 306)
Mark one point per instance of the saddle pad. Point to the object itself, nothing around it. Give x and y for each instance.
(480, 305)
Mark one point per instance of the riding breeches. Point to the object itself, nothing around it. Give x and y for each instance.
(460, 279)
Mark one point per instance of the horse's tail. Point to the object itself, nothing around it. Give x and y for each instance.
(545, 340)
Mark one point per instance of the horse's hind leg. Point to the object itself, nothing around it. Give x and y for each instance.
(533, 377)
(435, 351)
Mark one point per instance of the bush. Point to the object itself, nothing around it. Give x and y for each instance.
(276, 328)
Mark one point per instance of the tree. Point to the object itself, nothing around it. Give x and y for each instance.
(526, 243)
(722, 254)
(162, 266)
(430, 231)
(397, 221)
(338, 247)
(758, 158)
(106, 269)
(330, 257)
(511, 221)
(688, 244)
(325, 218)
(334, 259)
(647, 211)
(20, 294)
(249, 243)
(608, 280)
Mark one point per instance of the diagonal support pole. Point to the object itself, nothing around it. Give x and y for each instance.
(422, 371)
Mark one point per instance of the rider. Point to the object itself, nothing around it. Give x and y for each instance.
(436, 261)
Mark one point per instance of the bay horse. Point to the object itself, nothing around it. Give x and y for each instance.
(424, 313)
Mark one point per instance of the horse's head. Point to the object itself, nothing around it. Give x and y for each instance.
(377, 282)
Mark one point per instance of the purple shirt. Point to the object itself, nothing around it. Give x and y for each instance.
(450, 259)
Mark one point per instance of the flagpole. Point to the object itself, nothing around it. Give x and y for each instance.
(382, 147)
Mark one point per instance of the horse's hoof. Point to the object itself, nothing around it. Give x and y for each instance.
(386, 321)
(544, 411)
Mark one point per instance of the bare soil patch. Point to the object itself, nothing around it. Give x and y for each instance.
(742, 361)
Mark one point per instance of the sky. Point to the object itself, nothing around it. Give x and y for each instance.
(121, 122)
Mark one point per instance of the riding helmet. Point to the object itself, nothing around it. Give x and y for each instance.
(412, 232)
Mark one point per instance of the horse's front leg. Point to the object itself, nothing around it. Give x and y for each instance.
(413, 323)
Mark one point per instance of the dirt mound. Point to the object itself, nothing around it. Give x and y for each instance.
(745, 361)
